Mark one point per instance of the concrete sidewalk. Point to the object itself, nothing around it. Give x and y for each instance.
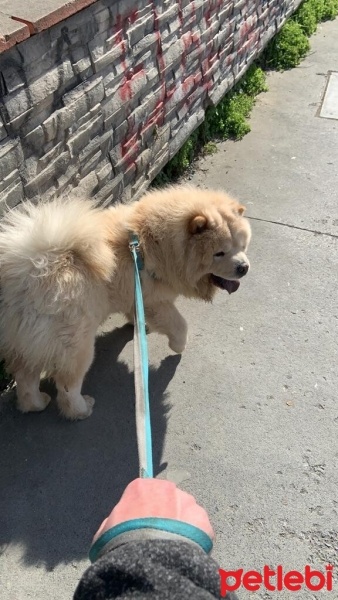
(247, 418)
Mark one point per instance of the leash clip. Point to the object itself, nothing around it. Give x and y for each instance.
(134, 247)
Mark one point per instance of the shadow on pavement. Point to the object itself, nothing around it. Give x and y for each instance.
(59, 479)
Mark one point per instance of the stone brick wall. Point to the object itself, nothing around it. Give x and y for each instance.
(103, 99)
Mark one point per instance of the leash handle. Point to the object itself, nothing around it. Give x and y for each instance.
(143, 424)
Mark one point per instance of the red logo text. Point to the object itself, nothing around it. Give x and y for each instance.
(276, 580)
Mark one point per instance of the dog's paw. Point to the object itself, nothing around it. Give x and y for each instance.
(76, 409)
(90, 402)
(178, 345)
(87, 411)
(36, 403)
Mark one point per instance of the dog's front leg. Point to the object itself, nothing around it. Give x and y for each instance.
(164, 318)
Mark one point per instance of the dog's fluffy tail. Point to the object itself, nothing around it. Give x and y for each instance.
(48, 237)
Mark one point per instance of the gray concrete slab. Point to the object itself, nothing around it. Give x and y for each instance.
(329, 109)
(11, 32)
(41, 14)
(247, 418)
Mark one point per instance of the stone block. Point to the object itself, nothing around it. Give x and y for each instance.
(225, 85)
(69, 178)
(158, 163)
(114, 119)
(3, 131)
(139, 186)
(83, 67)
(27, 121)
(11, 157)
(110, 192)
(84, 134)
(10, 180)
(17, 104)
(184, 131)
(105, 58)
(92, 90)
(129, 174)
(34, 141)
(13, 78)
(50, 156)
(54, 80)
(112, 105)
(142, 161)
(171, 56)
(11, 197)
(120, 132)
(141, 28)
(90, 165)
(38, 184)
(104, 173)
(226, 12)
(87, 186)
(145, 44)
(111, 81)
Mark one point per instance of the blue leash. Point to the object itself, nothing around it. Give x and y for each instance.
(143, 425)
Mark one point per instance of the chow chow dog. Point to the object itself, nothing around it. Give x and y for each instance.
(66, 265)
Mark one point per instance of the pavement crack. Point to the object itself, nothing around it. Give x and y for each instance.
(315, 231)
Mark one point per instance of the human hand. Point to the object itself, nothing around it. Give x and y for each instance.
(156, 498)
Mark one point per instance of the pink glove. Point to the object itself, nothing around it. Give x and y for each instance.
(149, 498)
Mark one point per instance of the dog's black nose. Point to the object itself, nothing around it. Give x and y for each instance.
(242, 269)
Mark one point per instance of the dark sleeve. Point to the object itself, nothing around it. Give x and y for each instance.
(154, 570)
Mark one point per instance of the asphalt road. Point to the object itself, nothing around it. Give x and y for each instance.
(247, 418)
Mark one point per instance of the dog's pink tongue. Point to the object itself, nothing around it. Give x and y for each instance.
(231, 286)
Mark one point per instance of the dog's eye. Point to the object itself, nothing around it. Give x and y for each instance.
(219, 254)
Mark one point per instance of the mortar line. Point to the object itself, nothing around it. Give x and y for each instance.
(332, 235)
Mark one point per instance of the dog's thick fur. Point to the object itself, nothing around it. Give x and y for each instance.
(66, 265)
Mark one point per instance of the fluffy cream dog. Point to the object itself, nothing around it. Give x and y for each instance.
(66, 265)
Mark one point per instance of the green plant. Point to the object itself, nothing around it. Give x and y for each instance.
(312, 12)
(229, 118)
(329, 10)
(254, 81)
(307, 17)
(236, 111)
(287, 48)
(290, 45)
(317, 6)
(210, 148)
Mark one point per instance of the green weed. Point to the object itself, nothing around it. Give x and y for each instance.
(210, 148)
(307, 17)
(287, 48)
(290, 45)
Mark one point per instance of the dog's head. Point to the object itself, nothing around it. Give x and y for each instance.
(194, 240)
(219, 236)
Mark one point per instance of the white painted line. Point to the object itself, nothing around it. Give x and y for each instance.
(329, 108)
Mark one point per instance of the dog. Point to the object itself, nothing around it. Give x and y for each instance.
(66, 265)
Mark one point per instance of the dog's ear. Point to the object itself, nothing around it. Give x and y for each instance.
(198, 224)
(238, 209)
